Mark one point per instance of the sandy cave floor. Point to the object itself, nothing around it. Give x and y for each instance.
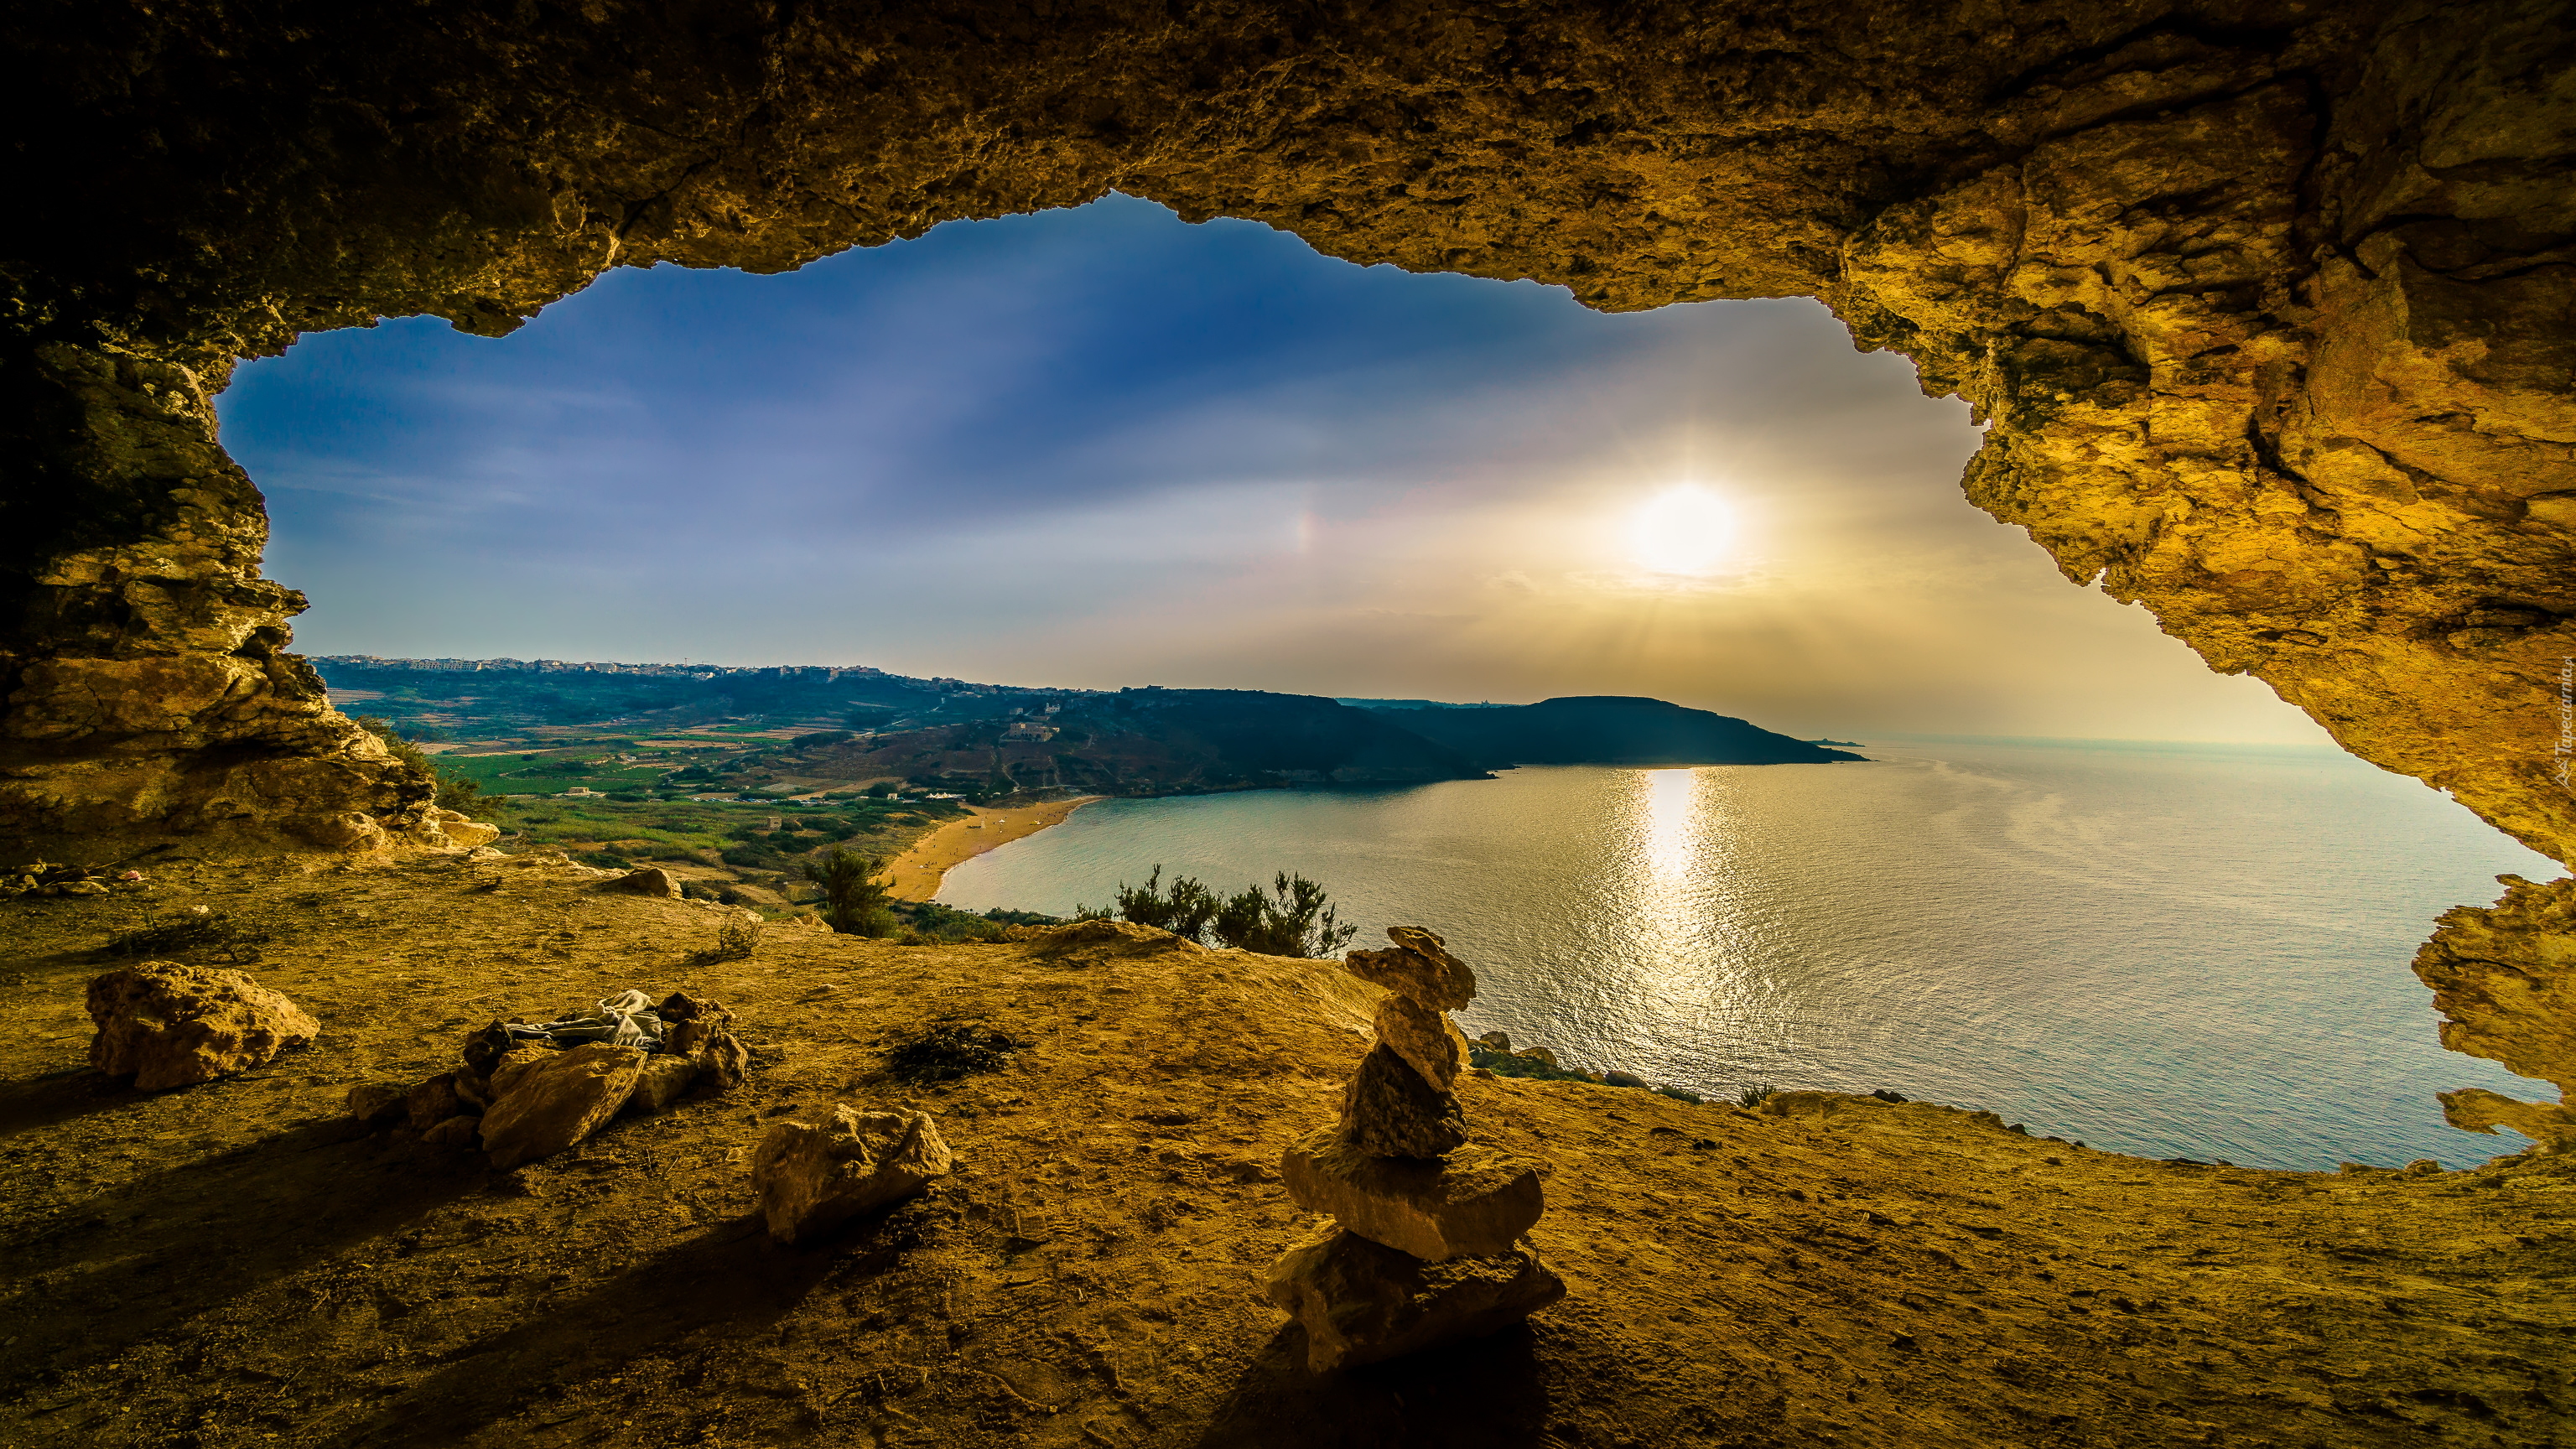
(238, 1264)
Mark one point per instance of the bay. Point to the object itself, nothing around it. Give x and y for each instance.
(2174, 950)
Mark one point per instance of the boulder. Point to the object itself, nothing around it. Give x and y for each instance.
(377, 1103)
(558, 1100)
(814, 1176)
(1416, 966)
(651, 880)
(1389, 1110)
(434, 1101)
(1500, 1041)
(661, 1082)
(1361, 1302)
(169, 1025)
(1424, 1038)
(1476, 1202)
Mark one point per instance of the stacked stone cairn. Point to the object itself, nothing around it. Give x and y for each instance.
(1427, 1243)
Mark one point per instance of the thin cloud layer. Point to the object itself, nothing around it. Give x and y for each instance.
(1101, 447)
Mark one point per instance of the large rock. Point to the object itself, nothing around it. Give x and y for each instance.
(1418, 966)
(169, 1025)
(556, 1101)
(1424, 1038)
(651, 880)
(1361, 1302)
(814, 1176)
(1477, 1202)
(461, 830)
(1389, 1110)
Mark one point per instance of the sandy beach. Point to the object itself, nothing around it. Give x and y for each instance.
(918, 871)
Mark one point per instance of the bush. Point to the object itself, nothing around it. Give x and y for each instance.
(1754, 1095)
(1297, 921)
(856, 901)
(1187, 909)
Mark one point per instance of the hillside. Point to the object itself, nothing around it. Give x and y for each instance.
(240, 1265)
(1606, 730)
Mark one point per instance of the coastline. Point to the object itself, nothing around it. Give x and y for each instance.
(918, 872)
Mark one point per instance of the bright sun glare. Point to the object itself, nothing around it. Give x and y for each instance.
(1681, 531)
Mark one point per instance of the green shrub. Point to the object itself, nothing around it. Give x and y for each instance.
(1754, 1095)
(856, 901)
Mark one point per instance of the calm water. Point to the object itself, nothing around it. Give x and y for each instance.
(2175, 950)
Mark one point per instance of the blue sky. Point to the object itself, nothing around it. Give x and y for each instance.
(1098, 447)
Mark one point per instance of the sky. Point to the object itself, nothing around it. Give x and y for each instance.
(1101, 447)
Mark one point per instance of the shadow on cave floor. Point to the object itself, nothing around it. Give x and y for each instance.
(1487, 1393)
(52, 1098)
(730, 1276)
(144, 1259)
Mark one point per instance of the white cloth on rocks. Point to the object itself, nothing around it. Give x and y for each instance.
(626, 1019)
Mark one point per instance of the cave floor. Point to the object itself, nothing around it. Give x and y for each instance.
(239, 1264)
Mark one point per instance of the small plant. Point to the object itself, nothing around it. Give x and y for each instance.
(949, 1050)
(1291, 917)
(1186, 909)
(857, 902)
(1754, 1095)
(1884, 1095)
(736, 939)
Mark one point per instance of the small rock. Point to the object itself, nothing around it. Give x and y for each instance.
(814, 1176)
(651, 880)
(558, 1100)
(377, 1103)
(473, 1089)
(1416, 966)
(1500, 1041)
(434, 1101)
(721, 1060)
(1477, 1201)
(485, 1049)
(461, 830)
(1542, 1056)
(1361, 1302)
(1424, 1038)
(454, 1133)
(661, 1082)
(1622, 1079)
(168, 1025)
(1390, 1111)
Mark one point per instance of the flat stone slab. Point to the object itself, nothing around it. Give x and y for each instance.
(1361, 1302)
(1474, 1202)
(557, 1099)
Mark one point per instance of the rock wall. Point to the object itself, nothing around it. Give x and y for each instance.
(2268, 305)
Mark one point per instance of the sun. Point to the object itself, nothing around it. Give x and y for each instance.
(1682, 530)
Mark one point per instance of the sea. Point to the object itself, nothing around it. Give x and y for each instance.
(2174, 950)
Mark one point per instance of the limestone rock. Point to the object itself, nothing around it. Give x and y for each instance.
(377, 1103)
(652, 880)
(1361, 1302)
(721, 1060)
(433, 1102)
(1425, 1038)
(454, 1133)
(558, 1100)
(2474, 1109)
(461, 829)
(814, 1176)
(661, 1082)
(1477, 1201)
(169, 1025)
(1418, 966)
(1389, 1110)
(485, 1049)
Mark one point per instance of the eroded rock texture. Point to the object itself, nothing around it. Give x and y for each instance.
(2268, 304)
